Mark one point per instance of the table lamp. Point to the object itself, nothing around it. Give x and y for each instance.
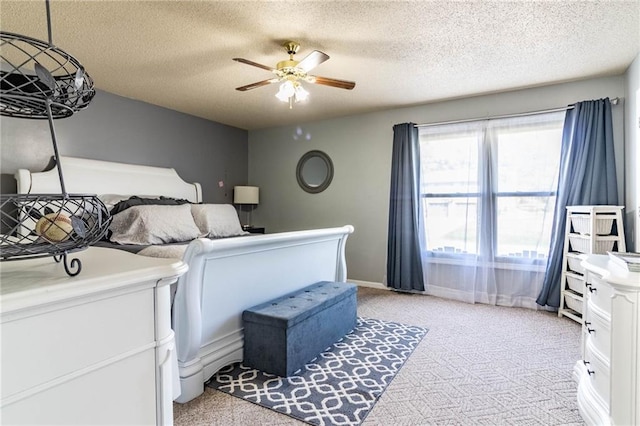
(246, 195)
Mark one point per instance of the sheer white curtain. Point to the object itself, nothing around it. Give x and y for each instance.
(488, 196)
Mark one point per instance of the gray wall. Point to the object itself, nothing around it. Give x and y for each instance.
(360, 147)
(632, 143)
(114, 128)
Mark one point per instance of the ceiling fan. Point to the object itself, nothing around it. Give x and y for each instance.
(291, 72)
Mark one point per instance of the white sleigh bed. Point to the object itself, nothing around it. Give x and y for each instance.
(225, 276)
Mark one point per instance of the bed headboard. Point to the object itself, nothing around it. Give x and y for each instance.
(84, 176)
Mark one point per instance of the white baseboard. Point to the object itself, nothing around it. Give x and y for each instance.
(371, 284)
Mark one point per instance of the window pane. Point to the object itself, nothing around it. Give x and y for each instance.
(524, 226)
(528, 160)
(451, 224)
(449, 163)
(520, 156)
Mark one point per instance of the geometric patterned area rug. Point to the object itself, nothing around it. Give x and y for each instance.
(340, 386)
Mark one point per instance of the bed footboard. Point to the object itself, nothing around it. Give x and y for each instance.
(226, 277)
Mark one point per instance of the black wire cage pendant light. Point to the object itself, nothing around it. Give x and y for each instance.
(41, 81)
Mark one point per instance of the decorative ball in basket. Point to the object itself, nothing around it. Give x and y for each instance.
(56, 227)
(40, 81)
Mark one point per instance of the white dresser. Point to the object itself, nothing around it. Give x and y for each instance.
(92, 349)
(609, 373)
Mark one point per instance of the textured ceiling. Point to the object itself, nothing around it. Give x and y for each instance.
(178, 54)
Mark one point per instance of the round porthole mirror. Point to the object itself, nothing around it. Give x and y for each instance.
(314, 171)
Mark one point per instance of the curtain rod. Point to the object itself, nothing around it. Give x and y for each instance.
(614, 101)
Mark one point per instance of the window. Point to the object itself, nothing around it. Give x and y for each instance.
(488, 187)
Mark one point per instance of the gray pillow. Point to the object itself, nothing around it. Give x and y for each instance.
(217, 220)
(153, 224)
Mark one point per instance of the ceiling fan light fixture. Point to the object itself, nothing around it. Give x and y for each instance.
(292, 90)
(301, 93)
(286, 91)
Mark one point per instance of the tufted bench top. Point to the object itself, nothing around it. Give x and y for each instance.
(292, 308)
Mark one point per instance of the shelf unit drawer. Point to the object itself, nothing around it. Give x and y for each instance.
(582, 243)
(575, 282)
(573, 302)
(574, 263)
(581, 224)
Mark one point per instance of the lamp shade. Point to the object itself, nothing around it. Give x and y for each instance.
(246, 195)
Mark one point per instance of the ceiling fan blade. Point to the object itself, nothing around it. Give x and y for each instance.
(255, 64)
(341, 84)
(312, 60)
(257, 84)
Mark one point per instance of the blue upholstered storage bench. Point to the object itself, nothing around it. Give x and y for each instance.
(281, 335)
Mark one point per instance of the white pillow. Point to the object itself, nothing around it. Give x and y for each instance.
(217, 220)
(154, 224)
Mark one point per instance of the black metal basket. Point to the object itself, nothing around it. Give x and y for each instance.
(40, 225)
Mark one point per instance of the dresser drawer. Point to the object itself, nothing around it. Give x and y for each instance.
(121, 393)
(598, 331)
(69, 338)
(598, 374)
(599, 293)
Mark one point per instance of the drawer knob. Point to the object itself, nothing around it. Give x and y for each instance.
(591, 330)
(592, 289)
(586, 363)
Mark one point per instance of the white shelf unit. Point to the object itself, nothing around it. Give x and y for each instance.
(589, 230)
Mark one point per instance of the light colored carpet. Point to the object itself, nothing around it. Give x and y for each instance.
(478, 365)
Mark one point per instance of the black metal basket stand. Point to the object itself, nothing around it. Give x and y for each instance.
(41, 81)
